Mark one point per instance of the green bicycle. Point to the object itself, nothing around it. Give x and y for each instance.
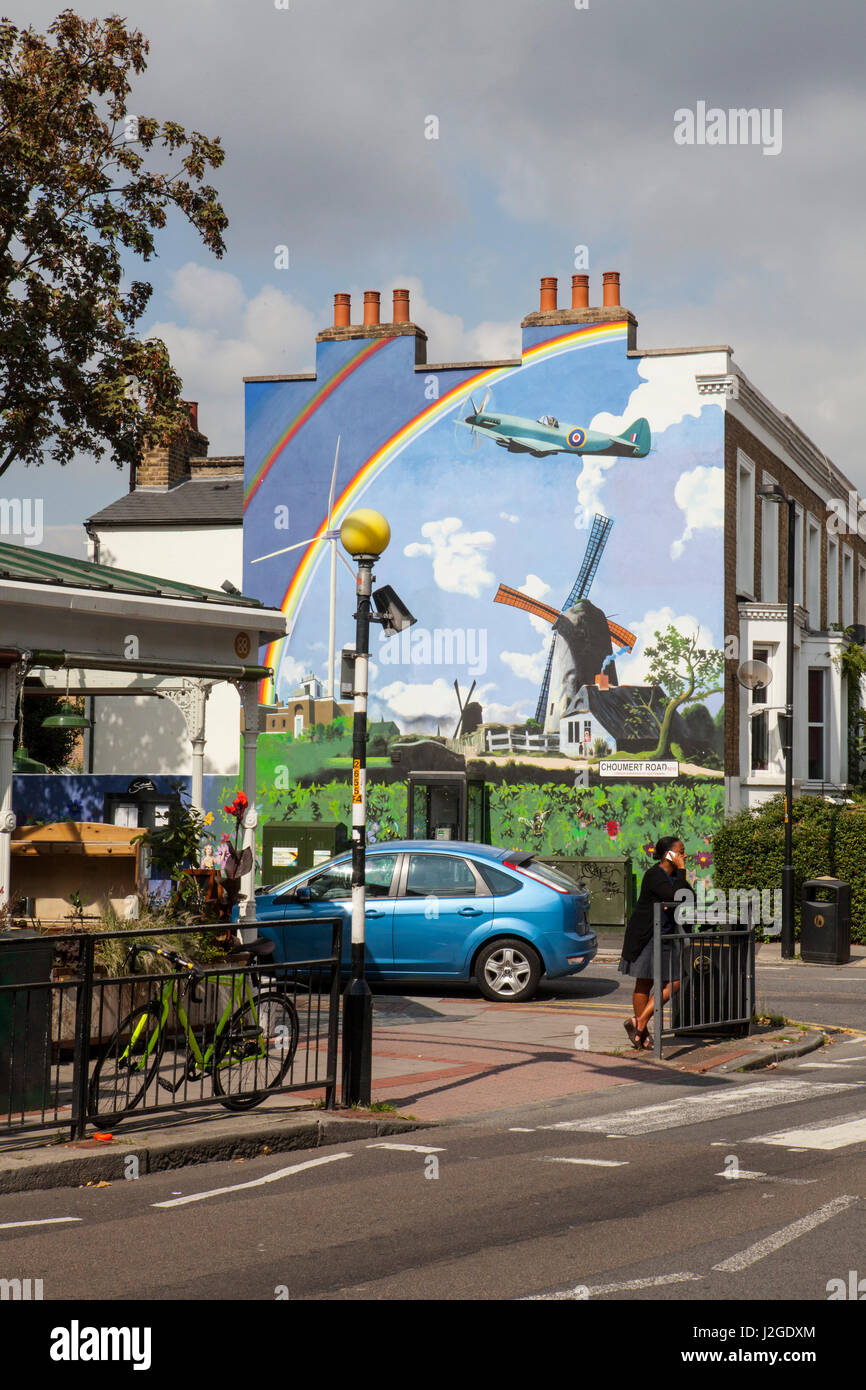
(247, 1050)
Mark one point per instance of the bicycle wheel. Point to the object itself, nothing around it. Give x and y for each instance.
(126, 1065)
(255, 1050)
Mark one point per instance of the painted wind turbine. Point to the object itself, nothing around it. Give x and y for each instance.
(332, 536)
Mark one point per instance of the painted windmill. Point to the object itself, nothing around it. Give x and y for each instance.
(470, 712)
(622, 639)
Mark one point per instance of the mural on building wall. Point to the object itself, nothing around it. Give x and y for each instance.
(567, 580)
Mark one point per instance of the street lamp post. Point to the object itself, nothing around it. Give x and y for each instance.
(774, 493)
(364, 534)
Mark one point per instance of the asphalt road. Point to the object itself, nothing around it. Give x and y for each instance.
(626, 1195)
(834, 995)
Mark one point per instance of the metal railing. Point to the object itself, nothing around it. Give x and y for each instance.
(711, 973)
(172, 1039)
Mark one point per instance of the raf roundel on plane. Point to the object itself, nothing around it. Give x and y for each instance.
(546, 435)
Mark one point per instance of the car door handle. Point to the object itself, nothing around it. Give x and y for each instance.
(470, 912)
(374, 912)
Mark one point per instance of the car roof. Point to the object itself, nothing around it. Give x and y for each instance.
(438, 847)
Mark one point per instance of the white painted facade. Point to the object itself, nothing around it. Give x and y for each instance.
(147, 736)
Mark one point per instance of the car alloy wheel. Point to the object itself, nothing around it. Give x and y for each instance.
(508, 970)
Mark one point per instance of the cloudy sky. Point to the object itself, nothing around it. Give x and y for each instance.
(555, 129)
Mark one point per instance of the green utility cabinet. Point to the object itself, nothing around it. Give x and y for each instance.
(610, 881)
(291, 847)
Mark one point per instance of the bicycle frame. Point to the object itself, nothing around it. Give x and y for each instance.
(171, 994)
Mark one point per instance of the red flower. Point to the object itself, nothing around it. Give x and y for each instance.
(241, 800)
(612, 828)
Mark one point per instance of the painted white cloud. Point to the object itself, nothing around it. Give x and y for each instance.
(433, 701)
(632, 670)
(665, 397)
(510, 714)
(700, 494)
(289, 676)
(459, 565)
(535, 587)
(527, 666)
(590, 482)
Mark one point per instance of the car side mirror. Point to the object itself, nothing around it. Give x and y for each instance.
(301, 894)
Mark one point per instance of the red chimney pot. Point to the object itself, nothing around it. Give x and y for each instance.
(342, 310)
(401, 306)
(548, 294)
(580, 291)
(371, 307)
(610, 280)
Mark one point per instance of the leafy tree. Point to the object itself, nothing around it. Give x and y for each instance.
(76, 199)
(685, 672)
(53, 747)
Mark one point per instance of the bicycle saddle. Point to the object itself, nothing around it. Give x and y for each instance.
(262, 947)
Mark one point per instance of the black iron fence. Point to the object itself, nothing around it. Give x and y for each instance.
(79, 1045)
(703, 978)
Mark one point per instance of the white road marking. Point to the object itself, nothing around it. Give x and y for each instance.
(709, 1105)
(582, 1291)
(590, 1162)
(766, 1247)
(520, 1129)
(816, 1066)
(256, 1182)
(45, 1221)
(850, 1130)
(765, 1177)
(408, 1148)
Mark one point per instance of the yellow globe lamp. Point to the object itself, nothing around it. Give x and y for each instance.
(365, 532)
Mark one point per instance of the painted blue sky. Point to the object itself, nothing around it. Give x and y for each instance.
(464, 519)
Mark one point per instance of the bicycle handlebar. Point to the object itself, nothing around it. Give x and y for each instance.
(174, 956)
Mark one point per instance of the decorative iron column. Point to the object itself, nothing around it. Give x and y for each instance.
(191, 699)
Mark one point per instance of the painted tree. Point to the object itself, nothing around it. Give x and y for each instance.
(686, 673)
(85, 185)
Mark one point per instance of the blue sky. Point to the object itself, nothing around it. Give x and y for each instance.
(555, 130)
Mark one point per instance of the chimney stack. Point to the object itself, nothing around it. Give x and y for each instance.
(548, 294)
(371, 308)
(610, 280)
(342, 310)
(193, 414)
(580, 291)
(401, 306)
(602, 682)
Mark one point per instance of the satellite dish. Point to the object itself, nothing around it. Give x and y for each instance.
(754, 675)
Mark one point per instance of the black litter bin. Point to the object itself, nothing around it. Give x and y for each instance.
(825, 926)
(26, 958)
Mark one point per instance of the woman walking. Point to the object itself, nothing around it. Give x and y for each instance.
(661, 884)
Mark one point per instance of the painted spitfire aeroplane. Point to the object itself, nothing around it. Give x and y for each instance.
(546, 435)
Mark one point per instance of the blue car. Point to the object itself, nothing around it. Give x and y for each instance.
(444, 911)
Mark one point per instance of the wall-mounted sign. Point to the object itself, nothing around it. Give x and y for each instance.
(285, 856)
(140, 784)
(320, 856)
(637, 767)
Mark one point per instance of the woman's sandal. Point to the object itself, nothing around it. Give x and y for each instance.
(631, 1028)
(643, 1039)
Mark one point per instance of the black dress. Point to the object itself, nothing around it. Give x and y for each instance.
(637, 947)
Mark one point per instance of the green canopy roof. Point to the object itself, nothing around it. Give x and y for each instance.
(32, 566)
